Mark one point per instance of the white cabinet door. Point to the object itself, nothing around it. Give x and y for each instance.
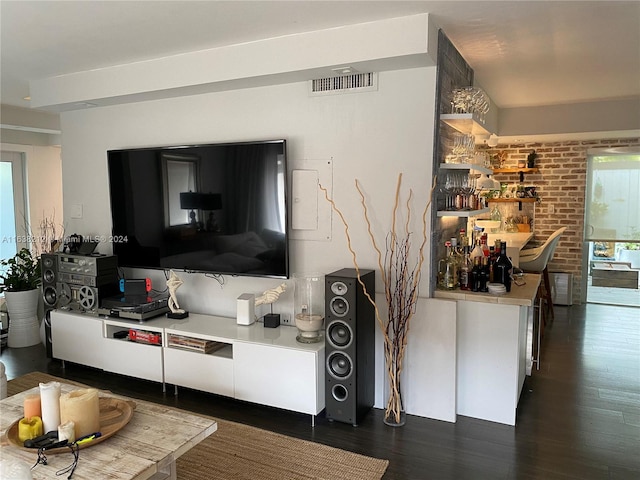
(279, 377)
(133, 359)
(77, 338)
(206, 372)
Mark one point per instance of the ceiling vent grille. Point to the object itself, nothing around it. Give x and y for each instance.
(357, 82)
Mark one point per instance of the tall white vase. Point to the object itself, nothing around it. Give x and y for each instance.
(24, 326)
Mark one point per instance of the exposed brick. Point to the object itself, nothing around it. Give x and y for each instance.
(561, 183)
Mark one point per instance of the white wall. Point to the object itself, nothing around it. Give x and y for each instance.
(370, 136)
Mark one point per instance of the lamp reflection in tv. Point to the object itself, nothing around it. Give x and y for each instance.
(202, 201)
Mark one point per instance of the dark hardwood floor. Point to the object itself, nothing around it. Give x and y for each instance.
(578, 417)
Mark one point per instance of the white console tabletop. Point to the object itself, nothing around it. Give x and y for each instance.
(224, 329)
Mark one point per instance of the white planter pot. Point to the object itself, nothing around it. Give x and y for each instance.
(632, 256)
(24, 325)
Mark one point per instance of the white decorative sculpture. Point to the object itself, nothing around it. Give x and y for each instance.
(271, 295)
(173, 284)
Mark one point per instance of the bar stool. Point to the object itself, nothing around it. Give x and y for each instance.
(535, 260)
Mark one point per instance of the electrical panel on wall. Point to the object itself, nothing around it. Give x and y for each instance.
(310, 212)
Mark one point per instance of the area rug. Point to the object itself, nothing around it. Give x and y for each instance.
(239, 452)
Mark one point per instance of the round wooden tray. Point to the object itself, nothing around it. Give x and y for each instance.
(114, 415)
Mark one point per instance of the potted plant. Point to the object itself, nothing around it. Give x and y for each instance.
(20, 278)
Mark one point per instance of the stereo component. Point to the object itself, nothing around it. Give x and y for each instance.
(77, 282)
(349, 345)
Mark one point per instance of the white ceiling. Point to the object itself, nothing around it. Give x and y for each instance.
(524, 53)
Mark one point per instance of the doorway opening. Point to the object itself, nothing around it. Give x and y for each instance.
(612, 227)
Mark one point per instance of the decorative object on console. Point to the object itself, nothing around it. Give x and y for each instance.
(173, 284)
(531, 159)
(268, 297)
(308, 306)
(272, 320)
(246, 313)
(401, 281)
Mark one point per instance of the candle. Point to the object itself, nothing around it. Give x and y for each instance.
(50, 405)
(32, 405)
(66, 431)
(82, 407)
(29, 428)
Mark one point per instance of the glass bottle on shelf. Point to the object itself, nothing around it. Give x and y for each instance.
(496, 215)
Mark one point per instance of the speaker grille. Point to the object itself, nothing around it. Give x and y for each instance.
(339, 365)
(339, 306)
(339, 334)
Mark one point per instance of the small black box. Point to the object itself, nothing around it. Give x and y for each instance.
(272, 320)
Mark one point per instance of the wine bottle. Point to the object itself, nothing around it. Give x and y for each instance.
(502, 268)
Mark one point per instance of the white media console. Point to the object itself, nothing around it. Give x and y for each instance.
(252, 363)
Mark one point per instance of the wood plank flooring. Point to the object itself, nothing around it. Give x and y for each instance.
(578, 417)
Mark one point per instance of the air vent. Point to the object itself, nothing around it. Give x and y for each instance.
(357, 82)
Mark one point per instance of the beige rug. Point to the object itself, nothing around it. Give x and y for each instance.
(237, 452)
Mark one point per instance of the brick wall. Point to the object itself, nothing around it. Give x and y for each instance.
(561, 184)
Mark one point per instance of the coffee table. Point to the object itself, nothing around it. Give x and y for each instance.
(146, 448)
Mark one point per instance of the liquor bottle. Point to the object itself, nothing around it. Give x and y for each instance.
(457, 258)
(463, 240)
(484, 275)
(483, 244)
(447, 270)
(476, 273)
(502, 268)
(477, 250)
(465, 270)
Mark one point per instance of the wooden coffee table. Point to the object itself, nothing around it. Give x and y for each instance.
(146, 448)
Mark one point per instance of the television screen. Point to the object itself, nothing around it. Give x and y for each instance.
(218, 208)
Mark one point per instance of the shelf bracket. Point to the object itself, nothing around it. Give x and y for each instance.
(521, 181)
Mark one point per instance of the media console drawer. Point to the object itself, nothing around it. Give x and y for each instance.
(209, 372)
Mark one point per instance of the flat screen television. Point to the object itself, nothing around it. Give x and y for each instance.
(213, 208)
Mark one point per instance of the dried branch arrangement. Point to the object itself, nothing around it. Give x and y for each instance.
(49, 237)
(401, 279)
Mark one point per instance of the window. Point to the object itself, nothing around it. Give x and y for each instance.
(13, 206)
(613, 196)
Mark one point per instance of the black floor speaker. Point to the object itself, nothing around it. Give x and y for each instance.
(350, 325)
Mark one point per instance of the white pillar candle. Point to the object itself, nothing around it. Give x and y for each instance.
(50, 405)
(82, 407)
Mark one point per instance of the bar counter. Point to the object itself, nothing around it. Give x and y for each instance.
(523, 295)
(494, 349)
